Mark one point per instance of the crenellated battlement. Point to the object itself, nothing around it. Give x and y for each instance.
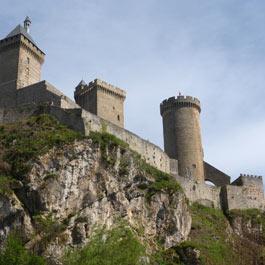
(251, 176)
(104, 86)
(180, 102)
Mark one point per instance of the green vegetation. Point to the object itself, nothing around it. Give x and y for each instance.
(162, 181)
(48, 227)
(21, 142)
(255, 216)
(166, 257)
(209, 235)
(107, 143)
(14, 253)
(114, 247)
(7, 184)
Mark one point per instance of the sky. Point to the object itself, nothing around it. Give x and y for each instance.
(211, 49)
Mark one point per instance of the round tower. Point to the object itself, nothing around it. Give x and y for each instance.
(182, 134)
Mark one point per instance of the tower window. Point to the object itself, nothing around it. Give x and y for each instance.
(118, 117)
(28, 60)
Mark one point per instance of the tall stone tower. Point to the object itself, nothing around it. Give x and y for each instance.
(20, 59)
(182, 134)
(102, 99)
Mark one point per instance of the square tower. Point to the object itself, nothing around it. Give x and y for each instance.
(102, 99)
(20, 59)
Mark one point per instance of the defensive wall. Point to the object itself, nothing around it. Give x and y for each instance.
(245, 192)
(202, 193)
(84, 121)
(214, 175)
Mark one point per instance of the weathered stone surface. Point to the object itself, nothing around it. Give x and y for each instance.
(75, 186)
(13, 217)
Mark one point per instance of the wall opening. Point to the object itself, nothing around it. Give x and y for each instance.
(208, 182)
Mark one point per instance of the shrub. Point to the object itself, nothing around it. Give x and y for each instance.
(162, 181)
(7, 184)
(22, 142)
(107, 143)
(114, 247)
(14, 253)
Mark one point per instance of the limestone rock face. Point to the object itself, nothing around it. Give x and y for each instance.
(80, 191)
(13, 217)
(248, 229)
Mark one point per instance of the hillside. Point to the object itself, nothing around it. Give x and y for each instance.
(70, 199)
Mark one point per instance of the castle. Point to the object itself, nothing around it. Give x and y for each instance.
(99, 104)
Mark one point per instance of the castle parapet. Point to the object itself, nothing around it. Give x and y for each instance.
(180, 102)
(246, 179)
(250, 176)
(104, 86)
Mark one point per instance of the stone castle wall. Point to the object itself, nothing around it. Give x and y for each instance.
(29, 65)
(83, 121)
(102, 99)
(200, 192)
(20, 61)
(87, 121)
(43, 93)
(214, 175)
(245, 192)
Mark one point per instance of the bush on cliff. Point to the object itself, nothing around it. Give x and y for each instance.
(112, 247)
(14, 253)
(23, 141)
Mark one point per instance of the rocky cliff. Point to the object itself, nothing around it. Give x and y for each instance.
(58, 197)
(71, 198)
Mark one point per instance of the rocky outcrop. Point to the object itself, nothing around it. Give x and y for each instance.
(249, 224)
(73, 190)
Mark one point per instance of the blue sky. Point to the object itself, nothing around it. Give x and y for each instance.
(211, 49)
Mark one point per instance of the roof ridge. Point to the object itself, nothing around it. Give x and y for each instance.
(21, 30)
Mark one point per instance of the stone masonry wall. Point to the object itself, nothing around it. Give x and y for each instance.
(29, 68)
(245, 192)
(200, 192)
(217, 177)
(83, 121)
(182, 134)
(43, 93)
(8, 64)
(102, 99)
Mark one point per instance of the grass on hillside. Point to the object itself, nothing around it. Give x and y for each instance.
(23, 141)
(209, 235)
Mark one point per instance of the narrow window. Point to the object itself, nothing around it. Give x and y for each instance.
(28, 60)
(118, 117)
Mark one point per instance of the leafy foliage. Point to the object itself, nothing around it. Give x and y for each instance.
(14, 253)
